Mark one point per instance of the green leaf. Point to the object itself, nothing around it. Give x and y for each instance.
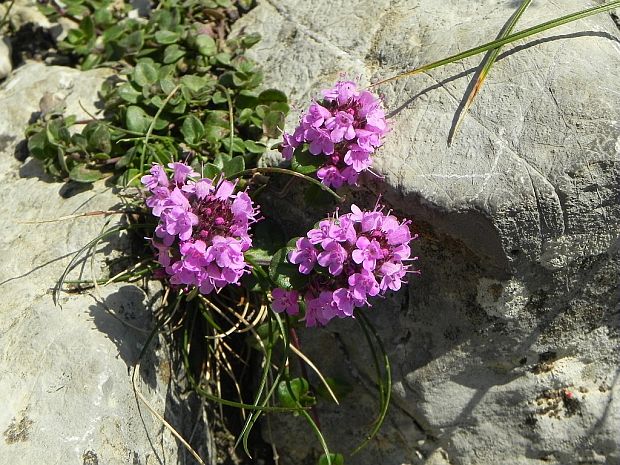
(193, 83)
(273, 124)
(166, 85)
(128, 93)
(57, 132)
(206, 45)
(90, 61)
(87, 26)
(173, 53)
(238, 145)
(253, 147)
(249, 40)
(280, 106)
(272, 95)
(144, 74)
(234, 166)
(137, 120)
(304, 162)
(223, 58)
(336, 459)
(211, 171)
(267, 238)
(263, 332)
(167, 37)
(130, 178)
(294, 392)
(220, 159)
(103, 17)
(113, 32)
(80, 173)
(246, 99)
(245, 117)
(133, 42)
(284, 274)
(37, 144)
(98, 137)
(193, 130)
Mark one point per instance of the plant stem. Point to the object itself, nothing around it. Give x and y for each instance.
(486, 65)
(6, 14)
(152, 125)
(304, 372)
(290, 173)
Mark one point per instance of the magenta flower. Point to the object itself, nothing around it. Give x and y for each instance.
(331, 176)
(344, 130)
(341, 126)
(332, 257)
(320, 142)
(367, 253)
(350, 258)
(304, 255)
(203, 228)
(285, 301)
(157, 178)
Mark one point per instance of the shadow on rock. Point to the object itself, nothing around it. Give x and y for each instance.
(124, 317)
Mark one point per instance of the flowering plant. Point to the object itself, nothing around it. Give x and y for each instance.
(203, 227)
(338, 135)
(348, 258)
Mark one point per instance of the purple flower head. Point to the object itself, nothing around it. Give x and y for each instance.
(350, 258)
(203, 228)
(344, 130)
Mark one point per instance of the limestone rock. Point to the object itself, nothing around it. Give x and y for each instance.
(65, 384)
(505, 349)
(6, 65)
(24, 12)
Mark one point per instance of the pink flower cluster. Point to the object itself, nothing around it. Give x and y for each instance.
(349, 258)
(344, 129)
(203, 227)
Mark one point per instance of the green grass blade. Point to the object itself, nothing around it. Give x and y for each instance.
(207, 395)
(384, 381)
(319, 435)
(149, 131)
(487, 64)
(507, 40)
(281, 369)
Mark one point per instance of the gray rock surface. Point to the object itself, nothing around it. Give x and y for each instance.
(6, 65)
(506, 349)
(65, 384)
(24, 12)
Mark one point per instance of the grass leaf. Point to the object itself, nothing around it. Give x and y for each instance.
(506, 40)
(486, 65)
